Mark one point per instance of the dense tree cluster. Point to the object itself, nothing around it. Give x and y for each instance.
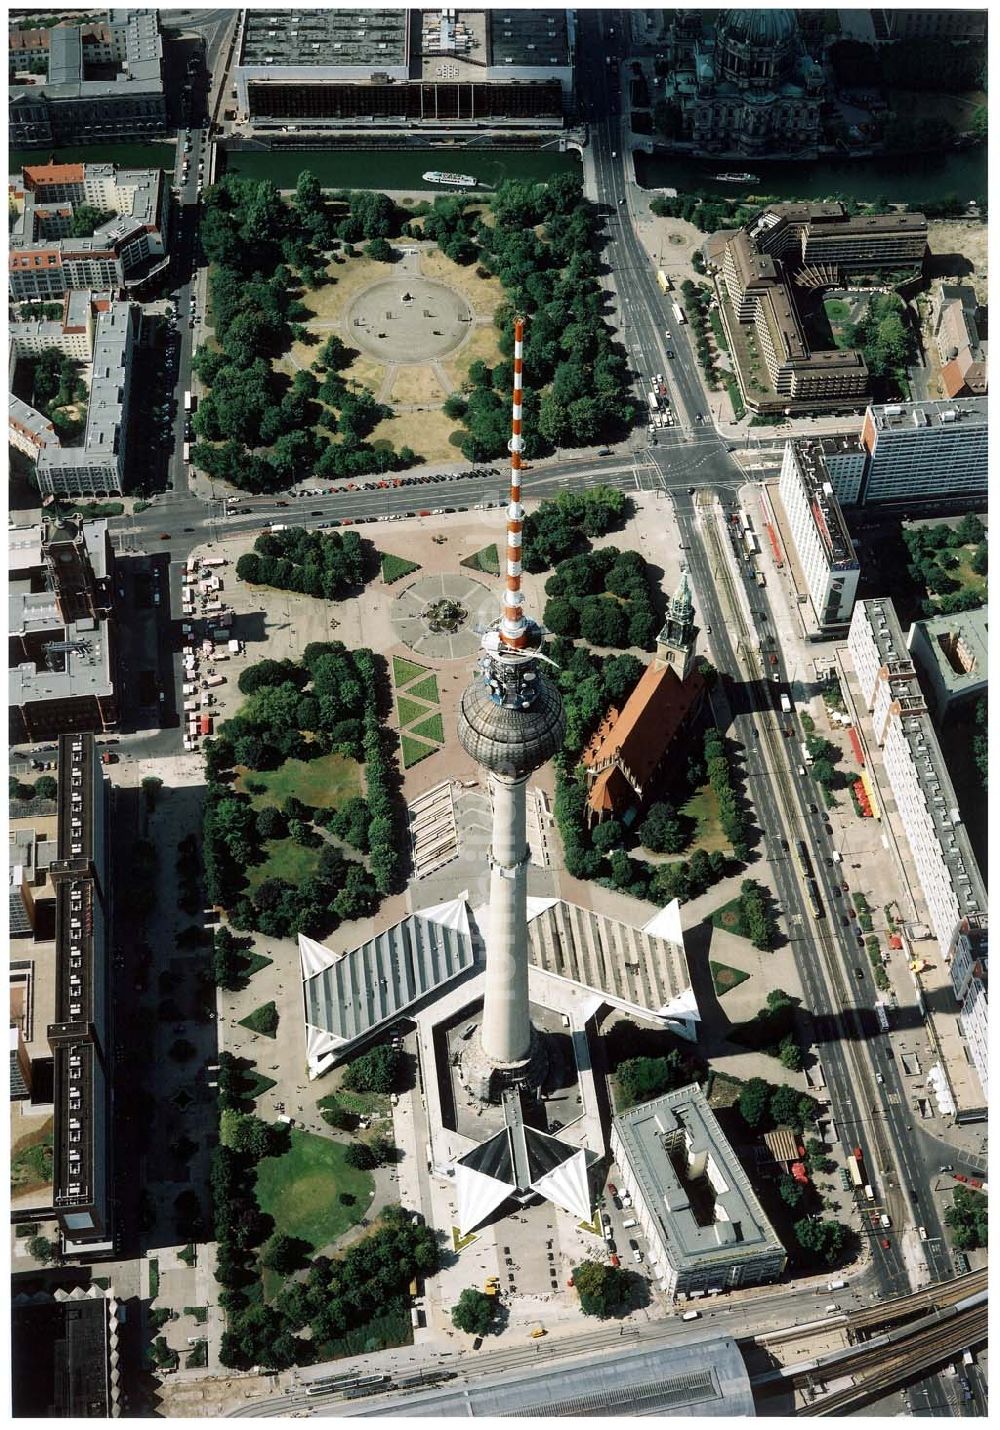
(885, 339)
(823, 1240)
(603, 1289)
(257, 429)
(720, 778)
(378, 1070)
(315, 563)
(980, 741)
(756, 914)
(542, 246)
(967, 1219)
(605, 597)
(337, 1295)
(661, 830)
(708, 212)
(564, 525)
(934, 554)
(643, 1078)
(452, 226)
(474, 1311)
(50, 382)
(333, 698)
(764, 1106)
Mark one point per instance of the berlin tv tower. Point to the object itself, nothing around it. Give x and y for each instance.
(510, 721)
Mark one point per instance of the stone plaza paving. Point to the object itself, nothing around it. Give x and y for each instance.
(412, 623)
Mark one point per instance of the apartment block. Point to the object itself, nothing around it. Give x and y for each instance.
(99, 466)
(61, 643)
(951, 654)
(104, 83)
(819, 533)
(79, 1034)
(914, 764)
(128, 245)
(925, 451)
(705, 1227)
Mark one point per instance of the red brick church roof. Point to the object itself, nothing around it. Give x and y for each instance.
(631, 746)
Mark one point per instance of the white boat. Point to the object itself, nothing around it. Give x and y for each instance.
(459, 181)
(744, 178)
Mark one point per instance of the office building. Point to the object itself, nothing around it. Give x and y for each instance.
(740, 82)
(819, 533)
(805, 246)
(61, 656)
(104, 83)
(434, 68)
(925, 451)
(914, 766)
(99, 466)
(128, 244)
(705, 1228)
(951, 654)
(65, 1361)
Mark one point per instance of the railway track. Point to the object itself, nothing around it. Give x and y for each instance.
(940, 1294)
(923, 1351)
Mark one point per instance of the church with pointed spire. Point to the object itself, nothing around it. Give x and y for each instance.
(630, 749)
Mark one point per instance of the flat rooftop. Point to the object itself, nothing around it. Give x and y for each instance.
(675, 1145)
(918, 416)
(958, 646)
(828, 519)
(926, 757)
(325, 38)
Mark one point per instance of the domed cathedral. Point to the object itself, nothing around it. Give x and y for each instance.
(742, 83)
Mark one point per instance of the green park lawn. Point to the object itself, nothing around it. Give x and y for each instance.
(403, 671)
(431, 729)
(703, 808)
(728, 917)
(487, 561)
(31, 1160)
(323, 783)
(285, 860)
(300, 1190)
(725, 978)
(409, 710)
(414, 751)
(425, 690)
(394, 568)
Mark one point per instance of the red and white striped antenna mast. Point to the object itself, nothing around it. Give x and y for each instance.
(513, 625)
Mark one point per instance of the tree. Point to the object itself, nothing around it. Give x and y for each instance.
(608, 835)
(360, 1156)
(42, 1249)
(966, 1219)
(285, 1254)
(824, 1239)
(754, 1102)
(661, 830)
(789, 1107)
(602, 1289)
(474, 1311)
(46, 787)
(790, 1191)
(151, 787)
(643, 1078)
(381, 250)
(790, 1054)
(377, 1070)
(970, 530)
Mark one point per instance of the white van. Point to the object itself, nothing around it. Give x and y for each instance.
(691, 1316)
(190, 705)
(629, 1221)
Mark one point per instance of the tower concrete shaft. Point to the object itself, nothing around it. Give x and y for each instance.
(506, 1026)
(511, 720)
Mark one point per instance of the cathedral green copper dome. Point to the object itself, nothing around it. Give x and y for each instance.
(759, 28)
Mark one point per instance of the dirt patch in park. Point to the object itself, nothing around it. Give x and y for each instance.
(416, 387)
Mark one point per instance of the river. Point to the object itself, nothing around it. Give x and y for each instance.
(395, 169)
(910, 179)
